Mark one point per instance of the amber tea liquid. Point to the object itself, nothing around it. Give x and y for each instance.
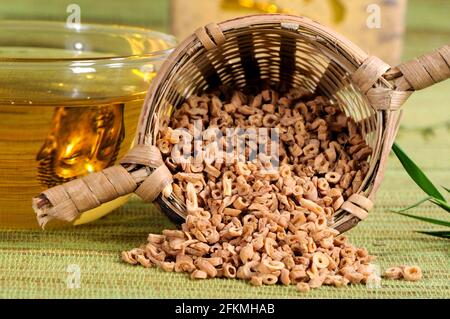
(45, 145)
(70, 100)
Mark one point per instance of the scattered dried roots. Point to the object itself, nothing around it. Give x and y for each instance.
(409, 273)
(265, 226)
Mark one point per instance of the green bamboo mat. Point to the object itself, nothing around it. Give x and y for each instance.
(33, 264)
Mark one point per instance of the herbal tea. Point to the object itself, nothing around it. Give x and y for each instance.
(44, 145)
(70, 100)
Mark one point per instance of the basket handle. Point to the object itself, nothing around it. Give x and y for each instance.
(422, 72)
(400, 81)
(141, 171)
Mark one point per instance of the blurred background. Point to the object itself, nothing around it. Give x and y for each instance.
(420, 24)
(409, 28)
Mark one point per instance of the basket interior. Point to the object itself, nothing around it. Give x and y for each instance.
(267, 53)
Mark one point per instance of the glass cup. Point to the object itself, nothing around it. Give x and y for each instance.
(70, 100)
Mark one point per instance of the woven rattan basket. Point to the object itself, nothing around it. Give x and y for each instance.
(283, 50)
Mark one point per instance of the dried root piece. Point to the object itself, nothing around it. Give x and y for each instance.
(393, 273)
(409, 273)
(412, 273)
(249, 221)
(302, 287)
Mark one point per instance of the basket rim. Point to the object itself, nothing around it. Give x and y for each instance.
(192, 42)
(190, 45)
(326, 32)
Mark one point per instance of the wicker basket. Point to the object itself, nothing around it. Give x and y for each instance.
(284, 50)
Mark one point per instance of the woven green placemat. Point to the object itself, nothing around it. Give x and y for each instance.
(34, 264)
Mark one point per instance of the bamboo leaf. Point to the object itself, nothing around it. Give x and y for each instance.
(441, 204)
(427, 219)
(413, 205)
(447, 189)
(417, 174)
(438, 233)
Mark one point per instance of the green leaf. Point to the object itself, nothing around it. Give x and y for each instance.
(416, 174)
(447, 189)
(441, 204)
(413, 205)
(438, 233)
(427, 219)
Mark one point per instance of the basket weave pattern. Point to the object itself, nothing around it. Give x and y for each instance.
(284, 51)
